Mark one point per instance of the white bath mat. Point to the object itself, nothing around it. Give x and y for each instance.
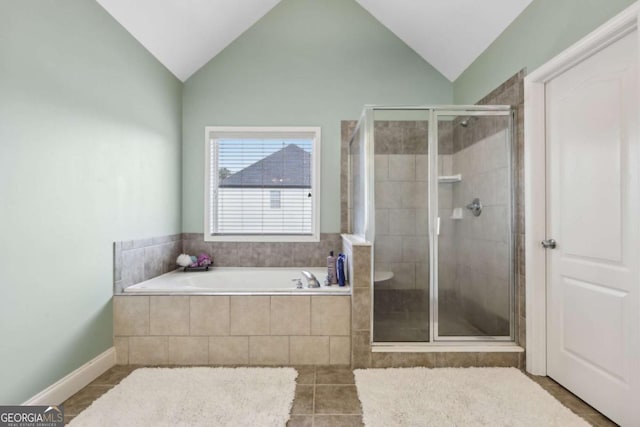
(195, 397)
(458, 397)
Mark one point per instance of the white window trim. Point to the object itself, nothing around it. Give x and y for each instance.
(214, 132)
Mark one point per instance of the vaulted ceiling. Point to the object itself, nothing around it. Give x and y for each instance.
(185, 35)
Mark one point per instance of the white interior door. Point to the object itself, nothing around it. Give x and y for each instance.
(593, 213)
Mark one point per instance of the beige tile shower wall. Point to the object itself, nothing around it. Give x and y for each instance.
(395, 137)
(356, 188)
(447, 253)
(401, 192)
(401, 199)
(482, 274)
(232, 330)
(401, 217)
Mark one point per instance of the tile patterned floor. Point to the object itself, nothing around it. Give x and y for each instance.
(325, 396)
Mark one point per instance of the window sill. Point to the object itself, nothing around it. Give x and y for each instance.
(257, 239)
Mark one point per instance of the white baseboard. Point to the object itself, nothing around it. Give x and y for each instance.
(66, 387)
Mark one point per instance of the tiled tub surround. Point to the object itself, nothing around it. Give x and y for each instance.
(135, 261)
(138, 260)
(265, 254)
(227, 329)
(237, 281)
(232, 330)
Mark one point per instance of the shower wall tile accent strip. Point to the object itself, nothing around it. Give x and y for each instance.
(410, 137)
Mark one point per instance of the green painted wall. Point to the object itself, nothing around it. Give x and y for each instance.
(543, 30)
(90, 131)
(304, 63)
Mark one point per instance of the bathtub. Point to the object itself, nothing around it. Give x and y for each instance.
(237, 281)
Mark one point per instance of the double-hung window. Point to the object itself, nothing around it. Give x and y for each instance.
(262, 184)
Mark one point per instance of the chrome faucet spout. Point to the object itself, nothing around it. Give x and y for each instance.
(312, 282)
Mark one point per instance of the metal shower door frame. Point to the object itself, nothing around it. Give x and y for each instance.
(367, 120)
(433, 209)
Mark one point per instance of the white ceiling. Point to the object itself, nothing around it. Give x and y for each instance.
(186, 34)
(448, 34)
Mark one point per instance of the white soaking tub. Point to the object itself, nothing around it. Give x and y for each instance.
(237, 281)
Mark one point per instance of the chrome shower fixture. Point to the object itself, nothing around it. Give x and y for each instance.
(466, 122)
(475, 207)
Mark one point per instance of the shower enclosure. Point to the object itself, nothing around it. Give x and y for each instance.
(431, 188)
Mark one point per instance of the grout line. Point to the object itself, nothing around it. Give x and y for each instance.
(289, 348)
(337, 414)
(229, 318)
(313, 405)
(149, 315)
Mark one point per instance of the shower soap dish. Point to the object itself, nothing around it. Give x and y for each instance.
(447, 179)
(196, 268)
(193, 263)
(457, 213)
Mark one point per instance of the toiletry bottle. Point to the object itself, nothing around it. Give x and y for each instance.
(331, 269)
(342, 258)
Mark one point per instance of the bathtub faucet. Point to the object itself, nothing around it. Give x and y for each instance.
(312, 282)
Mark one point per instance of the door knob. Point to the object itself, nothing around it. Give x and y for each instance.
(549, 244)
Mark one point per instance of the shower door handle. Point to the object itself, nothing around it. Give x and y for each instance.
(437, 226)
(549, 244)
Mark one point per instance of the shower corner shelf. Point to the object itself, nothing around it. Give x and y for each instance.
(444, 179)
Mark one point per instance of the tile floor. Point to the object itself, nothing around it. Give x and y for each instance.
(325, 396)
(414, 327)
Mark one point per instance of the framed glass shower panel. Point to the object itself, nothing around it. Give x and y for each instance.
(472, 208)
(401, 308)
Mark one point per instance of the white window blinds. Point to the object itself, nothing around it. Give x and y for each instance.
(261, 186)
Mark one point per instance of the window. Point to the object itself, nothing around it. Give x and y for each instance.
(275, 199)
(262, 184)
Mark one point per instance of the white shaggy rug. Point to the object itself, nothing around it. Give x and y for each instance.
(458, 397)
(195, 397)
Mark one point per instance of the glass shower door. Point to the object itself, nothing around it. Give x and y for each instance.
(473, 283)
(401, 248)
